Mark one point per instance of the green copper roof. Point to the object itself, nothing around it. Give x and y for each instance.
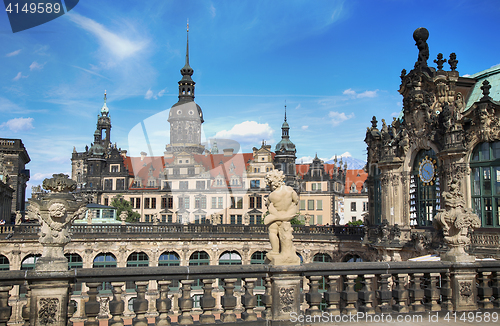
(493, 76)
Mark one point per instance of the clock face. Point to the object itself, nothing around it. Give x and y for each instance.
(427, 171)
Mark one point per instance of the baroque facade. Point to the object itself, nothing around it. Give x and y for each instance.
(194, 184)
(448, 132)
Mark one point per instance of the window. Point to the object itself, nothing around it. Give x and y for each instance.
(316, 186)
(183, 185)
(4, 263)
(138, 259)
(237, 202)
(137, 203)
(200, 219)
(254, 183)
(200, 202)
(230, 258)
(255, 202)
(220, 202)
(164, 203)
(255, 219)
(146, 218)
(106, 201)
(214, 202)
(319, 219)
(353, 188)
(236, 219)
(199, 258)
(105, 260)
(184, 202)
(200, 185)
(164, 218)
(114, 168)
(322, 258)
(310, 205)
(319, 205)
(153, 203)
(353, 206)
(302, 205)
(365, 206)
(108, 184)
(485, 183)
(424, 195)
(147, 203)
(120, 184)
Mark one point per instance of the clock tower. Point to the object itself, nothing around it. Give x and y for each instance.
(185, 116)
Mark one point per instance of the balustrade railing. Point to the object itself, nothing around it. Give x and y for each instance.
(165, 229)
(329, 289)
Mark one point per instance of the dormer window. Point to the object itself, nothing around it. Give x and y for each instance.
(353, 188)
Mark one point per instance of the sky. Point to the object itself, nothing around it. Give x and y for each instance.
(333, 63)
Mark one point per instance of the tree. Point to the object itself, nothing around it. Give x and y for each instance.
(124, 205)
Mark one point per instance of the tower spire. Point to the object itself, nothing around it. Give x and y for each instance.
(186, 84)
(285, 110)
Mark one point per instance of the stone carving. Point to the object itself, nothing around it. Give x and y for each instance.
(466, 289)
(123, 216)
(439, 61)
(286, 299)
(420, 36)
(455, 221)
(216, 219)
(59, 183)
(48, 311)
(282, 207)
(56, 211)
(453, 62)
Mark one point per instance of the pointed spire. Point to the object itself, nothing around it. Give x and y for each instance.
(187, 44)
(285, 110)
(186, 84)
(104, 109)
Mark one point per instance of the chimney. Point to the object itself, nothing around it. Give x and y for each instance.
(143, 155)
(228, 152)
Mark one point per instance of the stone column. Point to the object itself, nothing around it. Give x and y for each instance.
(463, 284)
(285, 292)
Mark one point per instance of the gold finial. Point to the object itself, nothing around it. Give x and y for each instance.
(104, 96)
(188, 25)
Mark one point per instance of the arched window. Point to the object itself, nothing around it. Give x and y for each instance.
(230, 258)
(199, 258)
(424, 189)
(350, 258)
(29, 262)
(322, 258)
(104, 260)
(138, 259)
(258, 258)
(169, 258)
(485, 165)
(4, 263)
(74, 261)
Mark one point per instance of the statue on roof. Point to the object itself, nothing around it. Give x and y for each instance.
(420, 36)
(282, 207)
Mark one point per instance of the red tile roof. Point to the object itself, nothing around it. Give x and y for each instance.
(356, 176)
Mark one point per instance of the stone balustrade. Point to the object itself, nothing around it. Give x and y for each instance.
(253, 294)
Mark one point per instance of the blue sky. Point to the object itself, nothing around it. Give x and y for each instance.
(335, 63)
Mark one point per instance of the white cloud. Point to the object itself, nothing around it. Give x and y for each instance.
(18, 124)
(149, 94)
(162, 92)
(350, 92)
(36, 66)
(466, 75)
(213, 12)
(41, 49)
(8, 106)
(305, 127)
(339, 117)
(120, 47)
(19, 76)
(90, 71)
(11, 54)
(248, 132)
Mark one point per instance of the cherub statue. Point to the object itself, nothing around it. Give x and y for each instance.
(282, 207)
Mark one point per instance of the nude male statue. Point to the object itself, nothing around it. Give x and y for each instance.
(282, 205)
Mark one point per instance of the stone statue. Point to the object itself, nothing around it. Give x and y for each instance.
(216, 219)
(123, 216)
(420, 35)
(455, 221)
(19, 217)
(282, 207)
(56, 211)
